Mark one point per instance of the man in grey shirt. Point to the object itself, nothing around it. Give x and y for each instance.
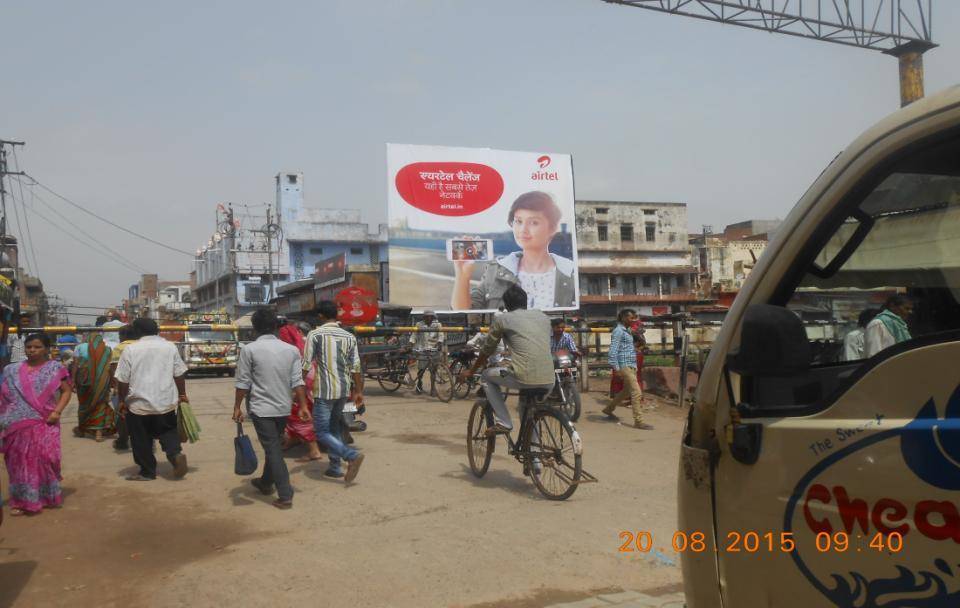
(527, 334)
(268, 372)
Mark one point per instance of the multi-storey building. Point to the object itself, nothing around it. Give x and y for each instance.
(633, 255)
(255, 251)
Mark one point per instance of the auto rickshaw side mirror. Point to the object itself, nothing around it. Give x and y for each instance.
(773, 342)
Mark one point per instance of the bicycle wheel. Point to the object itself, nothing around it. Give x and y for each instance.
(389, 378)
(460, 389)
(480, 446)
(442, 382)
(552, 454)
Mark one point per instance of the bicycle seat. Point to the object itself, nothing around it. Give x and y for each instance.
(537, 394)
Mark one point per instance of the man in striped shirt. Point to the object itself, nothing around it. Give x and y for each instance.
(336, 356)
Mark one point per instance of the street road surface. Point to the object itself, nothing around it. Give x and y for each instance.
(417, 529)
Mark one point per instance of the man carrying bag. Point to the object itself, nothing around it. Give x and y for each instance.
(268, 371)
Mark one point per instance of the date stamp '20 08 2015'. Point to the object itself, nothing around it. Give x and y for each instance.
(642, 541)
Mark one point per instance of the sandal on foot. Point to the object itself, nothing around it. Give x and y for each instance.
(139, 478)
(308, 458)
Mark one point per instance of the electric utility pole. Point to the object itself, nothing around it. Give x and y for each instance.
(4, 172)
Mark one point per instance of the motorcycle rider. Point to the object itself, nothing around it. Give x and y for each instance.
(561, 340)
(527, 334)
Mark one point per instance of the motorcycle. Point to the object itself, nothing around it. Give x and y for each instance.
(566, 393)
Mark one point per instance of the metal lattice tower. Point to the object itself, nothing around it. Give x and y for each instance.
(901, 28)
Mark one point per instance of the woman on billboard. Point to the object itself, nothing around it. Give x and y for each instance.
(547, 278)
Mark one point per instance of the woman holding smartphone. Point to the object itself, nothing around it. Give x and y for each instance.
(546, 277)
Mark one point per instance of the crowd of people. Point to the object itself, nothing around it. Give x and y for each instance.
(293, 387)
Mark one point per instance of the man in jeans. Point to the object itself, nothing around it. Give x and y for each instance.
(151, 384)
(527, 334)
(623, 361)
(335, 352)
(268, 371)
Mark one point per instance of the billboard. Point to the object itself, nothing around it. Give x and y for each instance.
(467, 223)
(330, 271)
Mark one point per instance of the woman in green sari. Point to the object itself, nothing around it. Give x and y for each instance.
(92, 377)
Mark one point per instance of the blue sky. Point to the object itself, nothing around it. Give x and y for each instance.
(151, 114)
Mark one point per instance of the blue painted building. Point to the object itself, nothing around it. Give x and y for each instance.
(235, 268)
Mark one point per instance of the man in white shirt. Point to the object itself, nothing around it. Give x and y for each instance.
(151, 384)
(15, 341)
(889, 327)
(853, 342)
(268, 372)
(112, 338)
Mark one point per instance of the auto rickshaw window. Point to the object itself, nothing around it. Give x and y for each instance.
(891, 271)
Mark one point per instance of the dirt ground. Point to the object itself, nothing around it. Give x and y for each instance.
(417, 529)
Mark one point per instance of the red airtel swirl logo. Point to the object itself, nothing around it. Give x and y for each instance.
(449, 188)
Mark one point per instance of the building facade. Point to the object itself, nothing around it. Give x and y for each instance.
(725, 260)
(634, 255)
(253, 253)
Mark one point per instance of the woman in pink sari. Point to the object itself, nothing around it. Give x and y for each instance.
(297, 430)
(30, 409)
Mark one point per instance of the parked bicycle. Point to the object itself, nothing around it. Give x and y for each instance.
(548, 445)
(397, 372)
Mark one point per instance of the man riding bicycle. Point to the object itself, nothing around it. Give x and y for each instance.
(526, 334)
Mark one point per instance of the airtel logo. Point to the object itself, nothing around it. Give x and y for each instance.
(548, 176)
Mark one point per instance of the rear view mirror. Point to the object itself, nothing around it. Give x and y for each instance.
(772, 343)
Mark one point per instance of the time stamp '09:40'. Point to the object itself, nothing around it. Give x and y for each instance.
(761, 542)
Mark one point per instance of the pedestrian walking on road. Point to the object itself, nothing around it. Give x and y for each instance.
(151, 382)
(623, 361)
(128, 336)
(33, 394)
(91, 374)
(297, 430)
(336, 356)
(268, 372)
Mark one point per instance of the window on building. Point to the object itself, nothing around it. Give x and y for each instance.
(601, 232)
(651, 231)
(613, 282)
(316, 250)
(626, 232)
(254, 293)
(593, 286)
(629, 285)
(649, 212)
(647, 281)
(680, 280)
(602, 210)
(291, 178)
(356, 251)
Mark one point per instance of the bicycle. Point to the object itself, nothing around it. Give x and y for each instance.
(460, 361)
(396, 373)
(548, 445)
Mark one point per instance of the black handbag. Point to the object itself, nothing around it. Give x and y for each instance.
(245, 460)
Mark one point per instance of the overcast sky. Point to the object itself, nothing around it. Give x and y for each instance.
(152, 113)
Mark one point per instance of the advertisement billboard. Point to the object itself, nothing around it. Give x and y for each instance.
(330, 271)
(467, 223)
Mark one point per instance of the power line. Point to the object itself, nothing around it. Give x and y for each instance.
(106, 221)
(84, 243)
(26, 217)
(86, 234)
(16, 215)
